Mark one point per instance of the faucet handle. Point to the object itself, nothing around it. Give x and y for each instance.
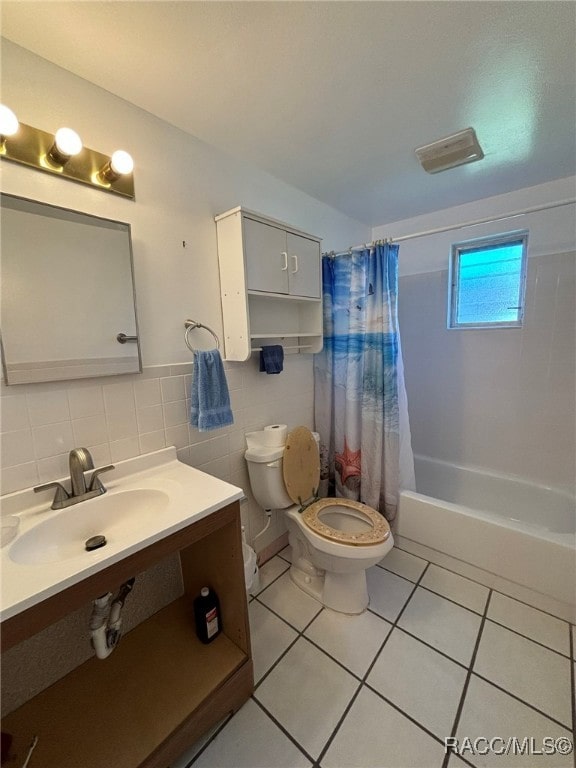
(95, 482)
(61, 493)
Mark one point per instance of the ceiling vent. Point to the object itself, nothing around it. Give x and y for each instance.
(458, 149)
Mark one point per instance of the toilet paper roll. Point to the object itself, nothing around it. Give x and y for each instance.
(275, 435)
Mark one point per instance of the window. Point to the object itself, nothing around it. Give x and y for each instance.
(487, 279)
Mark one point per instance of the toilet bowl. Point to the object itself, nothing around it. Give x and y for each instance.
(333, 541)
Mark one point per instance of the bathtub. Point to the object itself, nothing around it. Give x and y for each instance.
(510, 534)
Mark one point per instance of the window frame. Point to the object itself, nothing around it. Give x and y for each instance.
(454, 278)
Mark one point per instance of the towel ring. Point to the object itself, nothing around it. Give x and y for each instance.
(190, 325)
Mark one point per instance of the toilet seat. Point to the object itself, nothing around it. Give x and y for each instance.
(379, 532)
(301, 470)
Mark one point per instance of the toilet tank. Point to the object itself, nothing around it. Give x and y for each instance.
(265, 471)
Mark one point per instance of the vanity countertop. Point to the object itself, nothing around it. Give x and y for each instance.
(148, 498)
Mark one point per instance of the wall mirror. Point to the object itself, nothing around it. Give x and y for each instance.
(67, 294)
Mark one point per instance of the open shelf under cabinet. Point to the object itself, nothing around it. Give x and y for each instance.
(161, 688)
(117, 711)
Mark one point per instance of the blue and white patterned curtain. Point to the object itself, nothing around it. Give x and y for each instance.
(360, 398)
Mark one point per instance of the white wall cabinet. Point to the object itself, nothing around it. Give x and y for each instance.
(270, 281)
(279, 261)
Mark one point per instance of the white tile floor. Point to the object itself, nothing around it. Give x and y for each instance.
(436, 655)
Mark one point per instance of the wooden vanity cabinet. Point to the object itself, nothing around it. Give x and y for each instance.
(161, 688)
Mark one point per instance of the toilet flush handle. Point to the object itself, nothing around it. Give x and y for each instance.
(274, 464)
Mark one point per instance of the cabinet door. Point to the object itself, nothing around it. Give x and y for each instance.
(266, 257)
(303, 266)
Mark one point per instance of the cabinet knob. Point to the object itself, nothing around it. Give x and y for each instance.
(285, 257)
(295, 257)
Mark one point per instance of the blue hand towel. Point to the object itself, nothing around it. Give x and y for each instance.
(272, 358)
(210, 407)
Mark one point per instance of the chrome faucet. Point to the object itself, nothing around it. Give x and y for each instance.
(80, 461)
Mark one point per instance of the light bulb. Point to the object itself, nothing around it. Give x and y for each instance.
(8, 121)
(67, 142)
(121, 162)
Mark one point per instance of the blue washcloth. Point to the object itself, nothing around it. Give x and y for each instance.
(272, 358)
(210, 407)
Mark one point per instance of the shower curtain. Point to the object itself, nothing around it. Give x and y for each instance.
(361, 408)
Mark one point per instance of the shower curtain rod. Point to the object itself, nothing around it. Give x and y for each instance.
(474, 223)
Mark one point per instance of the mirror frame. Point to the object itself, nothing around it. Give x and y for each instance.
(74, 212)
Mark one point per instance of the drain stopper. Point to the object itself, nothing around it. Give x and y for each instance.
(95, 542)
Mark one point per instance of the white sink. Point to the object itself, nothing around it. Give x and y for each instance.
(115, 516)
(148, 498)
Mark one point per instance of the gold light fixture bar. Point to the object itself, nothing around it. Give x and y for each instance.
(33, 147)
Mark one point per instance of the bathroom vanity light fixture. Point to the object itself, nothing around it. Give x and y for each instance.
(451, 151)
(62, 153)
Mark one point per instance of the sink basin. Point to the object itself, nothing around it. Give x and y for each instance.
(149, 498)
(116, 516)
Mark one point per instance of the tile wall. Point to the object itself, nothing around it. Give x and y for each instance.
(117, 418)
(503, 399)
(120, 417)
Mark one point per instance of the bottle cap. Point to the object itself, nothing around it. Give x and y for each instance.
(204, 591)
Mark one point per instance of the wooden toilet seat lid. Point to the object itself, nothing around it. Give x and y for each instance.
(301, 466)
(379, 532)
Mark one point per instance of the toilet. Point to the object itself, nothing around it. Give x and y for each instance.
(333, 541)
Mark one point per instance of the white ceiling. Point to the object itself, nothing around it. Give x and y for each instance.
(333, 97)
